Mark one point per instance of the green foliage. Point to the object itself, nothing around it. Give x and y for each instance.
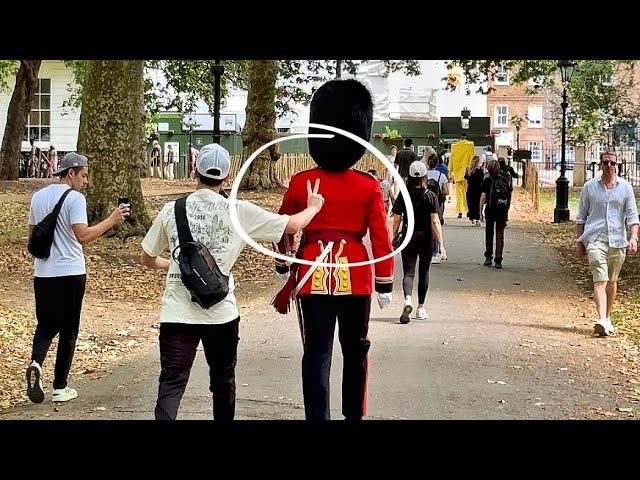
(74, 88)
(389, 133)
(8, 69)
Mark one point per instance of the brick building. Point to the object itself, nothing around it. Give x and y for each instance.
(535, 111)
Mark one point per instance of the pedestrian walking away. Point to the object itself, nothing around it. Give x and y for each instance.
(496, 196)
(427, 230)
(185, 323)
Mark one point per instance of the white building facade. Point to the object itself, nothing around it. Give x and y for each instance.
(49, 123)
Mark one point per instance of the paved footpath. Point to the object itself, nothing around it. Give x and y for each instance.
(499, 345)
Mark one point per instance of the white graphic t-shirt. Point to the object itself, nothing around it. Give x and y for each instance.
(66, 256)
(210, 223)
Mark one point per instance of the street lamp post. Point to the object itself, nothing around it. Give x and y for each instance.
(338, 69)
(217, 70)
(561, 212)
(517, 137)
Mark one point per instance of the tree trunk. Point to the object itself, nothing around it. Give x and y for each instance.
(260, 125)
(112, 137)
(17, 113)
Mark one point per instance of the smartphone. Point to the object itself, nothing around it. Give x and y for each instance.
(122, 200)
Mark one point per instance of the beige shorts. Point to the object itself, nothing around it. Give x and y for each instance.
(605, 261)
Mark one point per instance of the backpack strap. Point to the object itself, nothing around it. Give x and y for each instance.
(56, 209)
(184, 233)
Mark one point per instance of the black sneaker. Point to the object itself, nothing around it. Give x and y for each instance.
(498, 263)
(34, 384)
(487, 262)
(404, 318)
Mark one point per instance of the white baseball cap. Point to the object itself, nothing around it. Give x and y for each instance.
(417, 169)
(214, 162)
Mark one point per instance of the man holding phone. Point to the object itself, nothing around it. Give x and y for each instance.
(59, 281)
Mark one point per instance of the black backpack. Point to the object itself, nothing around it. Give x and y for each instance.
(41, 237)
(500, 192)
(199, 271)
(434, 186)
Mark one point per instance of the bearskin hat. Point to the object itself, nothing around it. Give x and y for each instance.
(344, 104)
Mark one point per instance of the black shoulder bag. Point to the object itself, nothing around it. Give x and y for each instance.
(41, 237)
(199, 271)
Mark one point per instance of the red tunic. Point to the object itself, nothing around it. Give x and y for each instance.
(353, 204)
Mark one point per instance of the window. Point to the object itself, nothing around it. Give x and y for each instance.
(501, 76)
(536, 151)
(39, 121)
(501, 116)
(534, 116)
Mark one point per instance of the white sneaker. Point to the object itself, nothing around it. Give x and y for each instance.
(34, 383)
(436, 258)
(64, 394)
(603, 327)
(421, 314)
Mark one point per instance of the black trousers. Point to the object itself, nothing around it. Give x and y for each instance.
(58, 307)
(178, 344)
(499, 221)
(319, 314)
(421, 246)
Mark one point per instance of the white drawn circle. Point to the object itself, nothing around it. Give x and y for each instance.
(403, 190)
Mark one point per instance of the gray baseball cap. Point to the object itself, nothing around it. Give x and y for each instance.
(71, 160)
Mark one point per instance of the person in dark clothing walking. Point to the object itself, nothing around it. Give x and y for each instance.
(496, 195)
(507, 168)
(427, 226)
(405, 158)
(474, 176)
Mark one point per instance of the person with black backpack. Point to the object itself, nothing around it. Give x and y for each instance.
(204, 246)
(58, 228)
(427, 228)
(496, 195)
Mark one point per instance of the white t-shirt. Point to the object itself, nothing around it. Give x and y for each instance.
(440, 177)
(487, 156)
(66, 251)
(210, 223)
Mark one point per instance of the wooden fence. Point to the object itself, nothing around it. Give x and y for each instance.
(289, 164)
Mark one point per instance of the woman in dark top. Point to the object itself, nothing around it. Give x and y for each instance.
(474, 176)
(427, 227)
(496, 216)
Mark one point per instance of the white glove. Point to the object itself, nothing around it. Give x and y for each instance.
(384, 299)
(282, 276)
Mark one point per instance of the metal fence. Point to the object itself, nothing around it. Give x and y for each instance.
(548, 165)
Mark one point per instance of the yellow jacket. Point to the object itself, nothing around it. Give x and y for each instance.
(461, 154)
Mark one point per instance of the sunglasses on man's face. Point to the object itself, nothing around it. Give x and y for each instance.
(608, 163)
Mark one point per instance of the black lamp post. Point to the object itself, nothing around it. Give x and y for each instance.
(217, 70)
(338, 69)
(561, 212)
(517, 137)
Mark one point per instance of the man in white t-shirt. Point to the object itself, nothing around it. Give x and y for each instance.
(183, 323)
(59, 281)
(487, 156)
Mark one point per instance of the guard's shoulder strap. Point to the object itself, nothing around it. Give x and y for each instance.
(184, 233)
